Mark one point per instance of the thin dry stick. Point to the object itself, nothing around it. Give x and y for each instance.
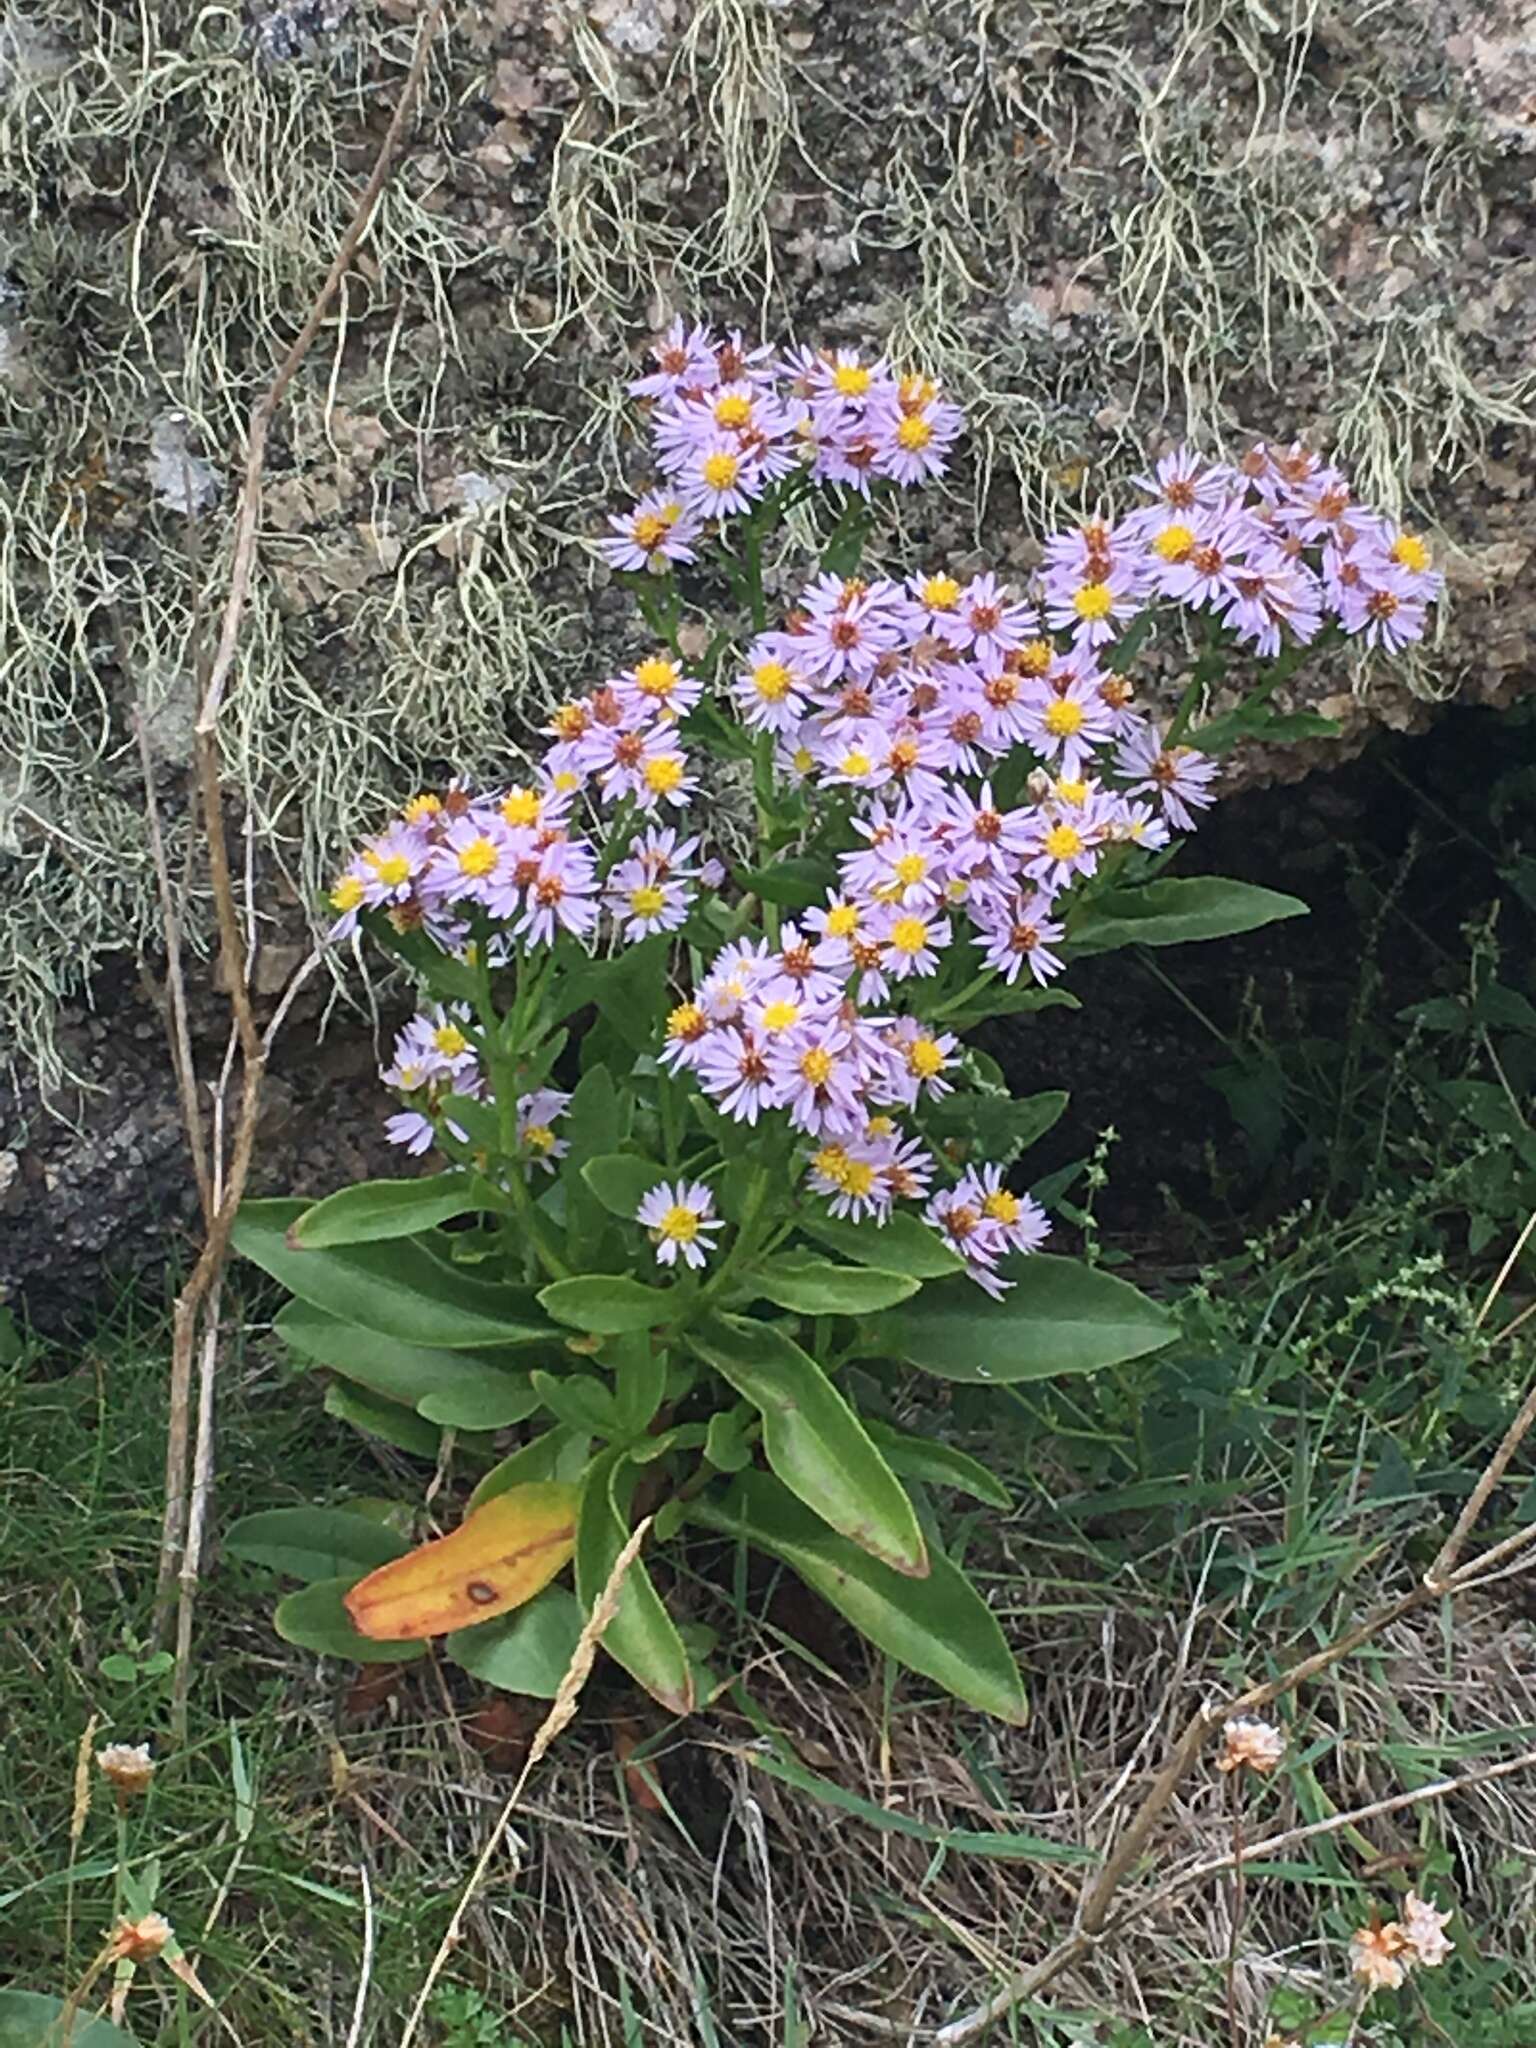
(190, 1302)
(558, 1717)
(1234, 2019)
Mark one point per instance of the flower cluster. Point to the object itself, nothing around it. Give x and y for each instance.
(1381, 1955)
(978, 749)
(1272, 545)
(728, 421)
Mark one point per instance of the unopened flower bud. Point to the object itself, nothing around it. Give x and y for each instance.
(128, 1767)
(1251, 1745)
(1039, 785)
(141, 1940)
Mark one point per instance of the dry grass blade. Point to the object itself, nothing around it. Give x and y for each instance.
(562, 1709)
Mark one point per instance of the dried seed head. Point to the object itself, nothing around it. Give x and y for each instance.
(1379, 1956)
(1251, 1745)
(127, 1766)
(141, 1940)
(1423, 1928)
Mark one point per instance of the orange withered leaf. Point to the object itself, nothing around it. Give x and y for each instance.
(498, 1557)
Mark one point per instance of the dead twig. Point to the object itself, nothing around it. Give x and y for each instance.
(197, 1298)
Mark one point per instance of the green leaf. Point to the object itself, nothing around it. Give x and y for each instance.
(996, 1123)
(560, 1453)
(528, 1650)
(314, 1619)
(780, 1761)
(591, 1126)
(384, 1419)
(376, 1209)
(1172, 911)
(619, 1181)
(1003, 1000)
(727, 1446)
(400, 1289)
(1060, 1317)
(639, 1380)
(904, 1244)
(314, 1543)
(30, 2019)
(641, 1635)
(813, 1439)
(578, 1400)
(607, 1304)
(796, 883)
(809, 1286)
(458, 1388)
(921, 1457)
(629, 990)
(939, 1626)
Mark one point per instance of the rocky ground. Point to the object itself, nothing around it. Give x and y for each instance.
(1105, 227)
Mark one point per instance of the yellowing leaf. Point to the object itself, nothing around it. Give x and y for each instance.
(498, 1558)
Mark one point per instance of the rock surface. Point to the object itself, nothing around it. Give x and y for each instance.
(1106, 227)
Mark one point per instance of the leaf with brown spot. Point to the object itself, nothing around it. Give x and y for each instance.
(500, 1556)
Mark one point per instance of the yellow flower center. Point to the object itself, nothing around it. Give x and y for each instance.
(1063, 718)
(803, 760)
(851, 380)
(1173, 543)
(855, 762)
(941, 593)
(649, 530)
(781, 1015)
(680, 1223)
(734, 410)
(926, 1057)
(916, 391)
(450, 1041)
(663, 774)
(539, 1138)
(478, 858)
(843, 921)
(522, 806)
(424, 806)
(647, 900)
(686, 1021)
(721, 470)
(565, 780)
(914, 433)
(909, 934)
(911, 868)
(1410, 552)
(858, 1177)
(771, 680)
(656, 677)
(347, 894)
(1063, 842)
(816, 1066)
(831, 1162)
(1002, 1205)
(1073, 793)
(1035, 657)
(1093, 601)
(391, 868)
(410, 1077)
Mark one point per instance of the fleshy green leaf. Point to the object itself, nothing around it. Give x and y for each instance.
(639, 1369)
(387, 1420)
(528, 1650)
(314, 1543)
(1004, 999)
(579, 1401)
(559, 1453)
(727, 1445)
(1060, 1317)
(922, 1457)
(813, 1439)
(642, 1635)
(1177, 909)
(810, 1286)
(30, 2019)
(629, 989)
(795, 883)
(400, 1289)
(620, 1181)
(607, 1304)
(315, 1619)
(377, 1209)
(939, 1626)
(996, 1123)
(462, 1389)
(902, 1245)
